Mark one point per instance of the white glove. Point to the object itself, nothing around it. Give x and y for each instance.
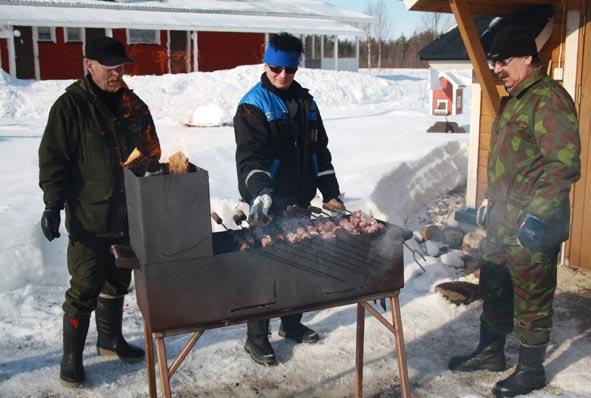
(481, 213)
(260, 207)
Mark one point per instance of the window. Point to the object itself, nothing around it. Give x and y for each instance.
(73, 34)
(141, 36)
(441, 107)
(44, 33)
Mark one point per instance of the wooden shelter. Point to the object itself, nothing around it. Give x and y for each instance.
(567, 57)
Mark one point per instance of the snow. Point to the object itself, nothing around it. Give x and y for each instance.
(385, 163)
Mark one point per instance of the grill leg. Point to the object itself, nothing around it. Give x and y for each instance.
(148, 339)
(359, 351)
(163, 366)
(400, 350)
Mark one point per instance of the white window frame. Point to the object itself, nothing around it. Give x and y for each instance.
(156, 37)
(80, 40)
(51, 34)
(441, 111)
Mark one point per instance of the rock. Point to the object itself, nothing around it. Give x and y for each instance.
(435, 249)
(453, 237)
(453, 258)
(459, 292)
(431, 232)
(472, 240)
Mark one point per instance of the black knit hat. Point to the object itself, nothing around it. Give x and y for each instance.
(107, 51)
(512, 41)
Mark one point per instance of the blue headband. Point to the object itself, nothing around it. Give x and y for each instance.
(276, 57)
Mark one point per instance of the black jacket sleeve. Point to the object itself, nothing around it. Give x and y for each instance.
(56, 154)
(253, 149)
(326, 180)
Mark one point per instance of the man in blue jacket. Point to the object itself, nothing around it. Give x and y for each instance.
(282, 159)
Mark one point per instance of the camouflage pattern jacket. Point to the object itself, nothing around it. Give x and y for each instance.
(80, 157)
(533, 159)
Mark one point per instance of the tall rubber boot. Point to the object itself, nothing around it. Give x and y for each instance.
(529, 374)
(489, 354)
(109, 317)
(257, 343)
(75, 329)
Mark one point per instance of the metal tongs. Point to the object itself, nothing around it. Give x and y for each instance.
(414, 253)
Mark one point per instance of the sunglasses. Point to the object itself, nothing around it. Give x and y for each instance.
(279, 69)
(500, 62)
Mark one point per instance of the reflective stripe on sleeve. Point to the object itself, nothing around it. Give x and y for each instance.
(253, 172)
(325, 173)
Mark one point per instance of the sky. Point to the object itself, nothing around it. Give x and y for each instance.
(403, 21)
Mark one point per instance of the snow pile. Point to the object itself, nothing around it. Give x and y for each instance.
(209, 115)
(410, 186)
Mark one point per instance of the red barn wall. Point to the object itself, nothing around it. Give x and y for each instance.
(60, 60)
(226, 50)
(4, 55)
(148, 59)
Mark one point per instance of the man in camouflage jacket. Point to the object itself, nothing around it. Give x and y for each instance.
(91, 130)
(533, 160)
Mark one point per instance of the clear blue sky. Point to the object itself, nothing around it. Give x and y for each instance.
(403, 21)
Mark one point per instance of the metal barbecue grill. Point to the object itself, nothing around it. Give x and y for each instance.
(189, 279)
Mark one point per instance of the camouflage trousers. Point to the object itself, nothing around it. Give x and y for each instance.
(93, 272)
(517, 288)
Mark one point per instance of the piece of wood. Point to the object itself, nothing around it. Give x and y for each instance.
(359, 351)
(475, 52)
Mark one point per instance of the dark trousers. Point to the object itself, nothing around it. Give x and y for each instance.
(259, 329)
(93, 272)
(517, 288)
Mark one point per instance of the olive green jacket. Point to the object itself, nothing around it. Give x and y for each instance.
(81, 155)
(534, 158)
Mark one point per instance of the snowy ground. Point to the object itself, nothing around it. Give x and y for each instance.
(385, 163)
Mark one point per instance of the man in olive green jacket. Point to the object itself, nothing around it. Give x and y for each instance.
(92, 129)
(533, 161)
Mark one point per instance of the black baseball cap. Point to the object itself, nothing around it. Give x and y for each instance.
(512, 41)
(107, 51)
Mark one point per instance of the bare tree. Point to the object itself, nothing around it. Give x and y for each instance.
(436, 23)
(381, 26)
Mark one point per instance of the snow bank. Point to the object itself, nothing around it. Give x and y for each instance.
(180, 96)
(410, 186)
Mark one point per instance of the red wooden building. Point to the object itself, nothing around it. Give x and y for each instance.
(45, 39)
(446, 94)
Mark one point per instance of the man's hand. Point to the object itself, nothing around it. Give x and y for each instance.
(531, 233)
(334, 205)
(50, 222)
(481, 213)
(260, 206)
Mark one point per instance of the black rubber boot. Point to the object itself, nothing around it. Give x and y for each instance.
(71, 368)
(110, 341)
(257, 343)
(489, 355)
(292, 328)
(529, 374)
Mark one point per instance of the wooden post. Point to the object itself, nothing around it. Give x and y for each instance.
(476, 52)
(163, 366)
(400, 350)
(150, 360)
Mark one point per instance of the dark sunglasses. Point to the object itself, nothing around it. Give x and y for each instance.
(279, 69)
(501, 62)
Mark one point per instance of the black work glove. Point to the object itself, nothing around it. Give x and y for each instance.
(531, 233)
(50, 222)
